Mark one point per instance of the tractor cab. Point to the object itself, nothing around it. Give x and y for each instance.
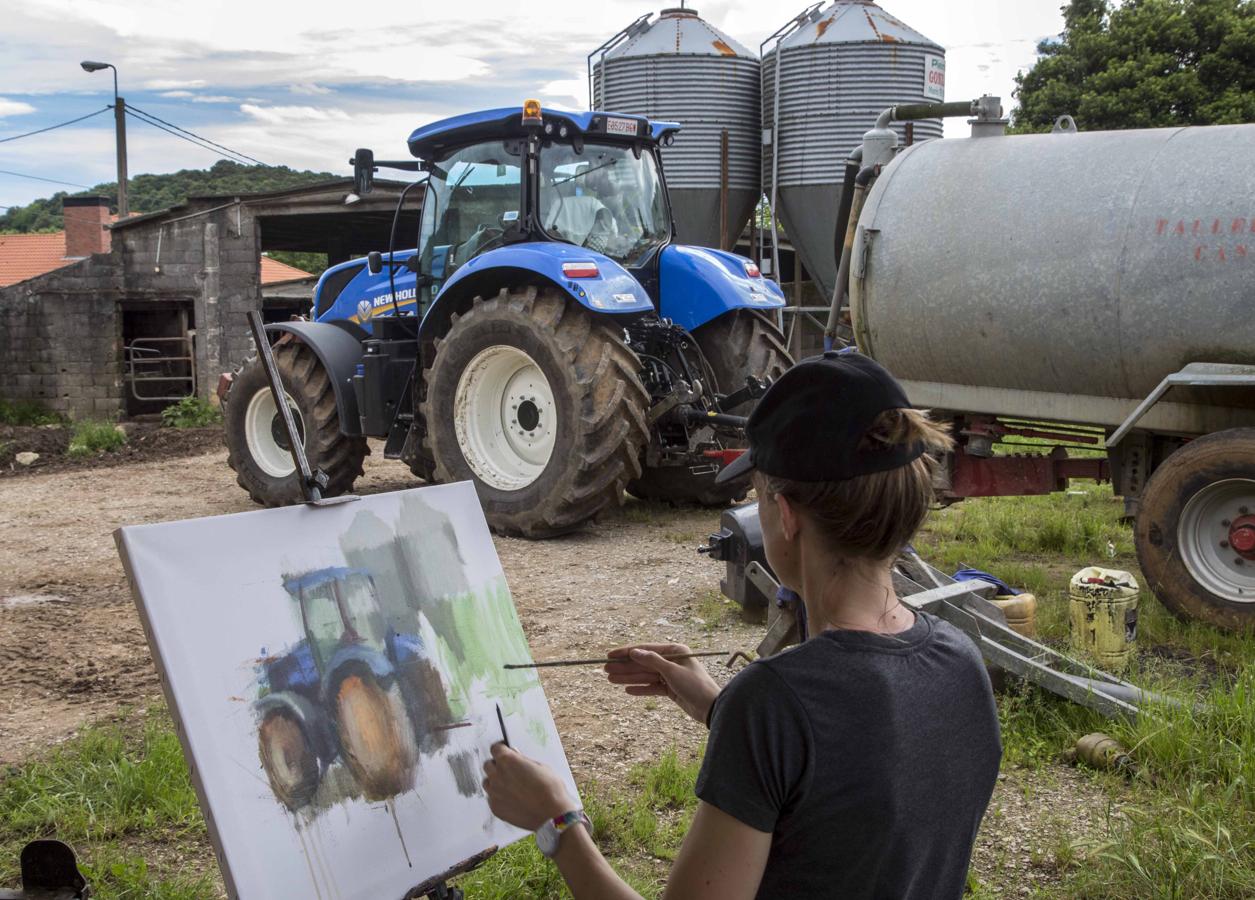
(339, 607)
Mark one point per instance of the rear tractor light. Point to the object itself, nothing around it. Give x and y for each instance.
(580, 269)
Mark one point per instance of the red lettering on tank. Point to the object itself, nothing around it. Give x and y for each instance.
(1198, 226)
(1238, 226)
(1198, 252)
(1220, 257)
(1215, 226)
(1161, 226)
(1180, 229)
(1240, 251)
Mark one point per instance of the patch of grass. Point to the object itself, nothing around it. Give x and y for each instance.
(645, 512)
(191, 412)
(639, 829)
(713, 609)
(94, 437)
(27, 412)
(683, 537)
(104, 792)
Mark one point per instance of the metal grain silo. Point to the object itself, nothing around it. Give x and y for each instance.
(681, 68)
(839, 67)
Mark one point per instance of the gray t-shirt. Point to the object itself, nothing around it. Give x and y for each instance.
(870, 758)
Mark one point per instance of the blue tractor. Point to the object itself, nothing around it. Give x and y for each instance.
(545, 339)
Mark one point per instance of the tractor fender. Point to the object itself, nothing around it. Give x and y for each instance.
(338, 346)
(613, 290)
(698, 285)
(349, 658)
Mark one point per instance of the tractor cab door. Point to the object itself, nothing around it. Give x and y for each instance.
(471, 205)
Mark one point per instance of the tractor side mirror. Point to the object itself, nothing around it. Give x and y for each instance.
(374, 262)
(412, 263)
(363, 171)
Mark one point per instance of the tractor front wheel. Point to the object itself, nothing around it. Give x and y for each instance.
(540, 405)
(257, 443)
(736, 345)
(289, 759)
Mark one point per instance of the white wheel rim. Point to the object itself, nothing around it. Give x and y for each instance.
(505, 418)
(261, 420)
(1204, 539)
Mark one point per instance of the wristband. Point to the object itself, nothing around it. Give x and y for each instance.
(548, 834)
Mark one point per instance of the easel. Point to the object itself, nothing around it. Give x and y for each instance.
(313, 483)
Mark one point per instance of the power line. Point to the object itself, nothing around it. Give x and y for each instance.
(40, 178)
(51, 127)
(197, 136)
(181, 137)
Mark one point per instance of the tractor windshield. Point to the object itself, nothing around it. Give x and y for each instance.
(471, 198)
(605, 198)
(340, 609)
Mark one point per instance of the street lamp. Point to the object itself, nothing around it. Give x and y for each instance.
(119, 120)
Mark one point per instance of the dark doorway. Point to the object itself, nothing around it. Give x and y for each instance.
(158, 355)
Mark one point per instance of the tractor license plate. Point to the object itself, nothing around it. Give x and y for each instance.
(620, 126)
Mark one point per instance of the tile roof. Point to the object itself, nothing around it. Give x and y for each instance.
(24, 256)
(273, 271)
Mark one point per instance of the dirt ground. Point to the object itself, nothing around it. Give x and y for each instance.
(72, 650)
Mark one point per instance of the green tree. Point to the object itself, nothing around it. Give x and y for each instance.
(150, 193)
(1143, 64)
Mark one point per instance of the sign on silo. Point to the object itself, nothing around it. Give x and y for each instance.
(935, 77)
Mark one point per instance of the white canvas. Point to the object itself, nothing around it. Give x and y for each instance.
(327, 761)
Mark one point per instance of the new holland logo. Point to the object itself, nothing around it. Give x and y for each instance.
(364, 309)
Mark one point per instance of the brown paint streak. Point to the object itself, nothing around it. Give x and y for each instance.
(823, 26)
(370, 737)
(723, 48)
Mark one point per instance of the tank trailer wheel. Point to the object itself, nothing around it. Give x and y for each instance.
(738, 344)
(376, 738)
(289, 759)
(1195, 531)
(538, 404)
(257, 443)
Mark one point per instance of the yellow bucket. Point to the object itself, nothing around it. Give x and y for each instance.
(1103, 607)
(1021, 612)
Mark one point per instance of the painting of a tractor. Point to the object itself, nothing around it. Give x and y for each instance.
(542, 336)
(355, 690)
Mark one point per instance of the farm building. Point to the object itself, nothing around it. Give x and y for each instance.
(120, 318)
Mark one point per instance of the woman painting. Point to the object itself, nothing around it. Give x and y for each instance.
(856, 764)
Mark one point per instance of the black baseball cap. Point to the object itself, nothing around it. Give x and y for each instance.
(811, 422)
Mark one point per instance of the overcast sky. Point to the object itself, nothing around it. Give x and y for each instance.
(303, 84)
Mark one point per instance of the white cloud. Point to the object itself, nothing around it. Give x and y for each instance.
(167, 84)
(214, 98)
(14, 108)
(310, 89)
(279, 114)
(177, 95)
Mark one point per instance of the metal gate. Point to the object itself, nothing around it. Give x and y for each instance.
(161, 368)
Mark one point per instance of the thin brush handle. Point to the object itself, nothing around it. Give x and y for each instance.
(604, 661)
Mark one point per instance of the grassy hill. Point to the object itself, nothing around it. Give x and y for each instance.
(149, 193)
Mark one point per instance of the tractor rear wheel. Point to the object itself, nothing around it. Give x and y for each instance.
(737, 345)
(540, 405)
(376, 737)
(1195, 530)
(257, 443)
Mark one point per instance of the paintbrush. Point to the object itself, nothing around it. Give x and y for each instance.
(607, 660)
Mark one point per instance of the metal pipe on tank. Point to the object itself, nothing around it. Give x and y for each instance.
(632, 30)
(862, 183)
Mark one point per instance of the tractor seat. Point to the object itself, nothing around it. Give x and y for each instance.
(574, 218)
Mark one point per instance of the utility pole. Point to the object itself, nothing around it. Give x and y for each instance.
(119, 120)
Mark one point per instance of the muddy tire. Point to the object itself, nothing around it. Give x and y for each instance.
(1195, 530)
(738, 344)
(288, 756)
(257, 444)
(376, 738)
(535, 401)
